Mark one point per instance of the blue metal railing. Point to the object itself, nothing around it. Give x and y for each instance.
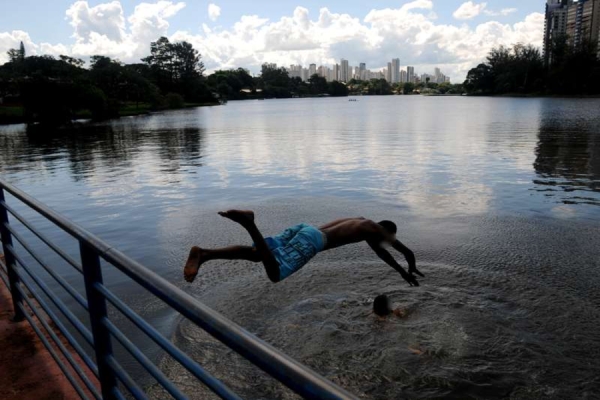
(102, 376)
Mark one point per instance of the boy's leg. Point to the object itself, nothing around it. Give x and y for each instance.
(199, 256)
(246, 219)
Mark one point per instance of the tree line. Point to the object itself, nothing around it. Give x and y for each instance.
(56, 90)
(523, 70)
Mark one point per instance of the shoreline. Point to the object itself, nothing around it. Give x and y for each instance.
(14, 119)
(538, 96)
(6, 120)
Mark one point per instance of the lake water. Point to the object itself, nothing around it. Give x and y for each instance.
(499, 199)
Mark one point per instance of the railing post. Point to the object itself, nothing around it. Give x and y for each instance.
(13, 278)
(92, 274)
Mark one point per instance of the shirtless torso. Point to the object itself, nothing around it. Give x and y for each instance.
(352, 230)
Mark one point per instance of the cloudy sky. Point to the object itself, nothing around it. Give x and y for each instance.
(452, 34)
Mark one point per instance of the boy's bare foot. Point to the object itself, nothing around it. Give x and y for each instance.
(193, 263)
(242, 217)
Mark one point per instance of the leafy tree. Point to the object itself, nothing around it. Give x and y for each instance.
(318, 84)
(175, 100)
(337, 89)
(275, 82)
(177, 68)
(76, 62)
(229, 84)
(480, 80)
(17, 55)
(521, 69)
(380, 87)
(409, 87)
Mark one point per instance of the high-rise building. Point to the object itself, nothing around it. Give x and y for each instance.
(583, 22)
(344, 71)
(362, 68)
(403, 76)
(312, 69)
(336, 72)
(395, 76)
(388, 75)
(410, 74)
(295, 71)
(305, 75)
(330, 77)
(555, 25)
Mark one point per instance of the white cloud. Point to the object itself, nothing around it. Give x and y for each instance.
(504, 12)
(214, 11)
(12, 40)
(103, 29)
(410, 32)
(469, 10)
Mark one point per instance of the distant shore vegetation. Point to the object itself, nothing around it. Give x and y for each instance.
(55, 91)
(522, 70)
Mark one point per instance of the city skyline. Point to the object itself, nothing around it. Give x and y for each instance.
(344, 72)
(453, 35)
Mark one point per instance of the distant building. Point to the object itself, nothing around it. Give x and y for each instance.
(410, 74)
(295, 71)
(336, 72)
(344, 71)
(362, 70)
(330, 77)
(325, 72)
(426, 78)
(312, 69)
(403, 76)
(395, 75)
(305, 75)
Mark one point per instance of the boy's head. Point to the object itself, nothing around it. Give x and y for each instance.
(390, 229)
(381, 305)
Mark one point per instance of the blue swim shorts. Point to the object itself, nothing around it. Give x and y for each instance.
(295, 247)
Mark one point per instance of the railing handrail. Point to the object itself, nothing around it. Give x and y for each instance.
(288, 371)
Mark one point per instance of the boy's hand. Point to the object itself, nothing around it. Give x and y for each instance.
(413, 270)
(411, 279)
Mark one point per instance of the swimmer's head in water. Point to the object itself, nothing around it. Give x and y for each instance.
(390, 229)
(381, 305)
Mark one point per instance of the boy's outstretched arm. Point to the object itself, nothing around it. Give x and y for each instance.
(389, 260)
(410, 257)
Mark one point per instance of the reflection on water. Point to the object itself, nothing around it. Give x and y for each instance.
(498, 197)
(436, 157)
(568, 159)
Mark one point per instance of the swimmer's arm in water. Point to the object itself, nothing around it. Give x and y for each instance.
(410, 257)
(389, 260)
